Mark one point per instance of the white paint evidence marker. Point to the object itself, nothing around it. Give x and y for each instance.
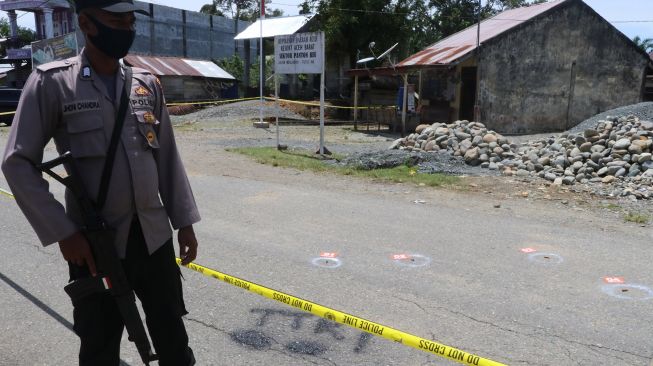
(410, 260)
(545, 258)
(617, 287)
(327, 260)
(628, 292)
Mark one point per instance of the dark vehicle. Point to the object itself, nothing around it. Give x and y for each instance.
(9, 98)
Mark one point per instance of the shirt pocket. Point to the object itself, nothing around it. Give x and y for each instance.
(87, 137)
(148, 126)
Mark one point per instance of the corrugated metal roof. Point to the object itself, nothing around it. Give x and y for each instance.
(209, 69)
(272, 27)
(175, 66)
(462, 43)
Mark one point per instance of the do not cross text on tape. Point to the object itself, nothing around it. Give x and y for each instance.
(373, 328)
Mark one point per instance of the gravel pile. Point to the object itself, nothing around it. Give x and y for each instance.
(246, 109)
(643, 111)
(614, 158)
(425, 162)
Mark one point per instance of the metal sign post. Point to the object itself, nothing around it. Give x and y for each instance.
(322, 100)
(262, 63)
(303, 53)
(276, 104)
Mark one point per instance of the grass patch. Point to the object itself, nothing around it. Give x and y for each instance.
(612, 207)
(301, 160)
(186, 126)
(304, 160)
(637, 218)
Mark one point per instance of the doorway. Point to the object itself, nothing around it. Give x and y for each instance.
(467, 93)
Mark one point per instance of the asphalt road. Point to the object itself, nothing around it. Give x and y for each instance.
(470, 286)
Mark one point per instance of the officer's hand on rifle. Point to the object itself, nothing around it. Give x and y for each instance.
(187, 244)
(76, 250)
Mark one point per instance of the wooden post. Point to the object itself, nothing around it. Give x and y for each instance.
(419, 86)
(356, 103)
(404, 106)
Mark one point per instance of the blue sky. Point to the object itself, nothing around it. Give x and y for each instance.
(637, 13)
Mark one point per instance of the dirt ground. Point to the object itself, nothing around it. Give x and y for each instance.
(203, 138)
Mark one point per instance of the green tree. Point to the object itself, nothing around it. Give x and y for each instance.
(25, 35)
(236, 67)
(645, 44)
(419, 26)
(211, 9)
(255, 71)
(350, 25)
(501, 5)
(233, 65)
(252, 15)
(452, 16)
(235, 7)
(246, 10)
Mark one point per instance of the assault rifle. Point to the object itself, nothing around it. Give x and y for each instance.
(111, 276)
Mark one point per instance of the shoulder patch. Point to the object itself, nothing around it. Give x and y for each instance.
(138, 70)
(62, 64)
(145, 76)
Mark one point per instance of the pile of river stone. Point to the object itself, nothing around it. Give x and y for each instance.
(615, 157)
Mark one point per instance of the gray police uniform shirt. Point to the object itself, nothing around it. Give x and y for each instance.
(66, 101)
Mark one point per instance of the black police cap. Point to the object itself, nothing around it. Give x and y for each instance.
(114, 6)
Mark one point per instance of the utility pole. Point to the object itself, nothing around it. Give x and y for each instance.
(261, 63)
(477, 103)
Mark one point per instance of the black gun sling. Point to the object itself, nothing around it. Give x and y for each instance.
(89, 286)
(115, 137)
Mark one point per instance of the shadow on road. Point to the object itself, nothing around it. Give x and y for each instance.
(41, 305)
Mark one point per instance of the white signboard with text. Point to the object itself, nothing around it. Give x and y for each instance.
(300, 53)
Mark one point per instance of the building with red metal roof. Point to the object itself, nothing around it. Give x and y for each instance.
(539, 68)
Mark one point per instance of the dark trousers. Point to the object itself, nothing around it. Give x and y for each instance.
(156, 280)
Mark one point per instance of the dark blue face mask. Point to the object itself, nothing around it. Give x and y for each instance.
(113, 42)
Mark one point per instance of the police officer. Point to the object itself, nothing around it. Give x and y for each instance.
(75, 102)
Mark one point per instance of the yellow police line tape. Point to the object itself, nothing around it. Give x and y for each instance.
(311, 104)
(355, 322)
(373, 328)
(271, 99)
(211, 102)
(179, 104)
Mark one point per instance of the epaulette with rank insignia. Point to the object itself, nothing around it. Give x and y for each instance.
(146, 76)
(138, 70)
(61, 64)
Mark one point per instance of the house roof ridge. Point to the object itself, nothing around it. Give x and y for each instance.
(468, 42)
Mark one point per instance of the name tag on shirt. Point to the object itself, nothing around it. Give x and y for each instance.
(81, 106)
